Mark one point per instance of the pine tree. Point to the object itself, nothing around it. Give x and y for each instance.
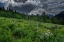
(7, 8)
(3, 8)
(0, 8)
(43, 16)
(15, 11)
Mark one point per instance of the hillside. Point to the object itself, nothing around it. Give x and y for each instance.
(40, 18)
(11, 14)
(16, 27)
(60, 15)
(31, 20)
(19, 30)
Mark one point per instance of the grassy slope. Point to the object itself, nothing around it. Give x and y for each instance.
(29, 31)
(11, 14)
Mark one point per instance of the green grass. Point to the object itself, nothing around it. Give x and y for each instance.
(19, 30)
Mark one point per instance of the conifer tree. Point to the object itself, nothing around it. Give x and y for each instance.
(43, 16)
(3, 8)
(7, 8)
(15, 11)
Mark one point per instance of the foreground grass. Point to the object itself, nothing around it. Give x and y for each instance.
(18, 30)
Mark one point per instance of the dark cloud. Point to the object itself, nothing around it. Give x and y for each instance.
(26, 8)
(30, 6)
(43, 0)
(23, 1)
(45, 6)
(1, 4)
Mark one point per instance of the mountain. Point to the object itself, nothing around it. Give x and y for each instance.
(60, 15)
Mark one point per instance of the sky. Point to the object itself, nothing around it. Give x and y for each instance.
(52, 7)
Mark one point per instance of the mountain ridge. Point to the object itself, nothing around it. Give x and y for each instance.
(60, 15)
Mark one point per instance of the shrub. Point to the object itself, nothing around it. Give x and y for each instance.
(5, 36)
(18, 33)
(11, 26)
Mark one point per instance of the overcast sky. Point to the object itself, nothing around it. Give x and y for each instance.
(34, 6)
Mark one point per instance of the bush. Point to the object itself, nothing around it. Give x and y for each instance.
(18, 33)
(5, 36)
(11, 26)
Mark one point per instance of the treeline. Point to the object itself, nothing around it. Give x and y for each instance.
(9, 13)
(57, 20)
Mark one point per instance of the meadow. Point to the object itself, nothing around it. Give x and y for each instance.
(21, 30)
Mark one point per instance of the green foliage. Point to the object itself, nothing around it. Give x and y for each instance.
(5, 36)
(9, 13)
(18, 33)
(18, 30)
(11, 26)
(29, 28)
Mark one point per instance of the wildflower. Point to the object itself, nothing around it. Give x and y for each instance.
(48, 30)
(48, 33)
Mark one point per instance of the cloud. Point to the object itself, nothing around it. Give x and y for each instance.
(23, 1)
(26, 8)
(34, 6)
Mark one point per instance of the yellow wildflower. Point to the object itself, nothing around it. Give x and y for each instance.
(48, 30)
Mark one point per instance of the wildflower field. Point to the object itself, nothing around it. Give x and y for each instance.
(19, 30)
